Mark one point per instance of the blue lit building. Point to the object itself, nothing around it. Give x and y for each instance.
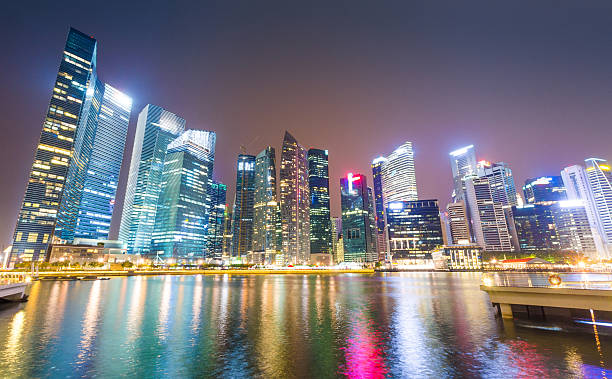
(218, 194)
(46, 184)
(544, 189)
(184, 205)
(320, 217)
(377, 165)
(359, 245)
(155, 130)
(265, 211)
(242, 223)
(535, 227)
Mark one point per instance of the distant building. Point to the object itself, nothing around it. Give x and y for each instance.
(487, 216)
(356, 228)
(458, 257)
(227, 232)
(266, 204)
(573, 228)
(242, 223)
(377, 165)
(336, 230)
(414, 229)
(535, 227)
(216, 220)
(459, 222)
(544, 189)
(463, 166)
(294, 202)
(182, 219)
(501, 181)
(88, 251)
(398, 175)
(155, 129)
(600, 180)
(320, 221)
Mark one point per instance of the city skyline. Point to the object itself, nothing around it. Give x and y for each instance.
(377, 134)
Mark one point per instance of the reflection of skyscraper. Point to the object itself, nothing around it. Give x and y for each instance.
(320, 222)
(217, 193)
(265, 206)
(463, 166)
(183, 210)
(294, 201)
(242, 224)
(73, 87)
(356, 221)
(156, 128)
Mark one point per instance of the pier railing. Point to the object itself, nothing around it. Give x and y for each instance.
(587, 280)
(14, 277)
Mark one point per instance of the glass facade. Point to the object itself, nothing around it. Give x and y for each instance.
(463, 166)
(320, 218)
(266, 206)
(503, 189)
(218, 195)
(414, 228)
(242, 223)
(535, 227)
(398, 175)
(184, 205)
(38, 213)
(155, 130)
(544, 189)
(599, 175)
(358, 245)
(294, 202)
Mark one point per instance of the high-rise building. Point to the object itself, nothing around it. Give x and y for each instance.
(320, 219)
(459, 223)
(535, 227)
(356, 228)
(544, 189)
(398, 175)
(573, 228)
(227, 232)
(463, 166)
(155, 129)
(336, 230)
(372, 226)
(218, 198)
(294, 202)
(501, 181)
(487, 216)
(600, 180)
(414, 229)
(242, 223)
(377, 165)
(88, 201)
(578, 188)
(265, 206)
(184, 204)
(73, 86)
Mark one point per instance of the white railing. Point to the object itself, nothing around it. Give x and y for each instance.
(588, 280)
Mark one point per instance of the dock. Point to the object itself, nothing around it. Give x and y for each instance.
(13, 287)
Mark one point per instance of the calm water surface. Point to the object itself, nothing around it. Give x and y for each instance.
(394, 325)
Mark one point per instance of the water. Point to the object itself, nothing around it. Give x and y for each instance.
(399, 325)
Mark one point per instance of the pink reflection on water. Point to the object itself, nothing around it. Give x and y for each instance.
(363, 351)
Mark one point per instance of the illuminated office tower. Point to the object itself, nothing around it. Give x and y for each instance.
(372, 223)
(578, 188)
(155, 129)
(459, 223)
(320, 221)
(336, 229)
(242, 223)
(218, 195)
(535, 227)
(265, 206)
(356, 220)
(487, 216)
(398, 175)
(182, 217)
(414, 229)
(573, 228)
(294, 202)
(463, 166)
(227, 232)
(501, 181)
(73, 86)
(377, 165)
(600, 181)
(87, 205)
(544, 189)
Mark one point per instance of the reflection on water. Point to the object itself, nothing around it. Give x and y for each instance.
(388, 325)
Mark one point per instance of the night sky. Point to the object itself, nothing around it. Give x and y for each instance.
(528, 82)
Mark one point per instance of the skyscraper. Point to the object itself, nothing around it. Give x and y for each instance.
(535, 227)
(294, 201)
(377, 165)
(463, 166)
(87, 205)
(218, 197)
(501, 181)
(356, 223)
(600, 181)
(573, 228)
(242, 223)
(544, 189)
(155, 130)
(265, 206)
(74, 84)
(487, 216)
(320, 219)
(459, 223)
(227, 232)
(398, 175)
(182, 217)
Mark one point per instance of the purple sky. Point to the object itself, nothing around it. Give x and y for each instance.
(527, 82)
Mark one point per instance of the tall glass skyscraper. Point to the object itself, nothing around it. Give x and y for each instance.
(463, 166)
(398, 175)
(266, 205)
(46, 184)
(242, 223)
(182, 217)
(377, 165)
(155, 130)
(356, 223)
(544, 189)
(600, 181)
(218, 196)
(320, 217)
(501, 181)
(294, 202)
(87, 205)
